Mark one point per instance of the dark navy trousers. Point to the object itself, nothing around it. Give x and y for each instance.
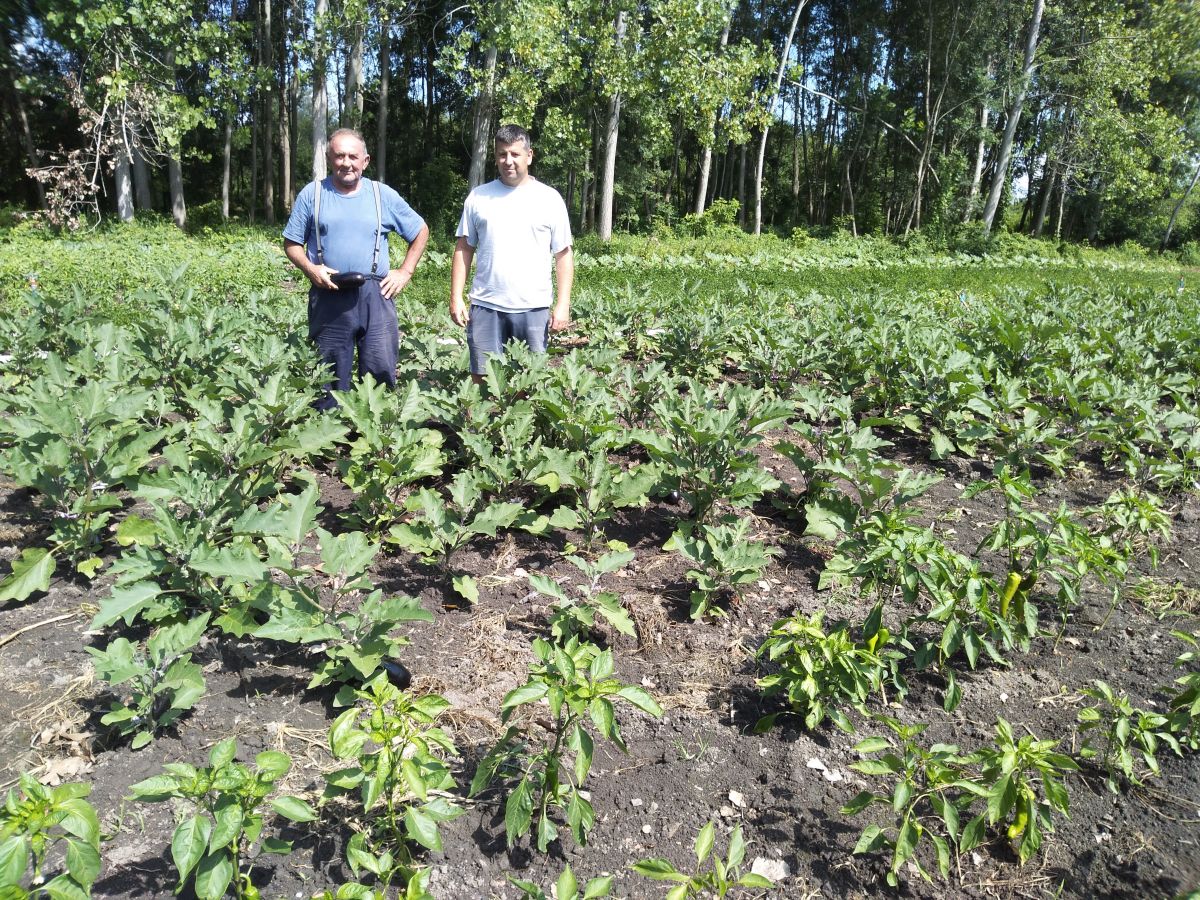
(362, 319)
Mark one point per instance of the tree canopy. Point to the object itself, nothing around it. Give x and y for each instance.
(1075, 119)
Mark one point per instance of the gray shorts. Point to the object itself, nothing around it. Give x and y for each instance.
(489, 330)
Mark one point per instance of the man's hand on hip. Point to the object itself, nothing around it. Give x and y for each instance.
(394, 282)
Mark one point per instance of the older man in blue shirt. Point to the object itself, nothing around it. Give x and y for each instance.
(337, 236)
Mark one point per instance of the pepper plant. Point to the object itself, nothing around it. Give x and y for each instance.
(396, 760)
(216, 843)
(36, 819)
(575, 681)
(1128, 735)
(820, 673)
(566, 887)
(930, 792)
(714, 876)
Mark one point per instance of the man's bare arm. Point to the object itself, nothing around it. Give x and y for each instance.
(459, 267)
(564, 276)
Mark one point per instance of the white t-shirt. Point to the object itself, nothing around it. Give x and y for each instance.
(515, 232)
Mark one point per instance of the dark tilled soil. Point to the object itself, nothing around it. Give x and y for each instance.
(700, 761)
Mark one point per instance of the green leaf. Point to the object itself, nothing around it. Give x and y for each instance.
(277, 846)
(213, 875)
(229, 822)
(272, 765)
(83, 861)
(294, 808)
(906, 843)
(422, 829)
(546, 832)
(518, 812)
(566, 887)
(872, 745)
(641, 699)
(30, 574)
(222, 753)
(466, 587)
(754, 880)
(14, 851)
(598, 887)
(871, 839)
(345, 739)
(136, 530)
(188, 844)
(858, 804)
(530, 692)
(125, 602)
(658, 870)
(704, 842)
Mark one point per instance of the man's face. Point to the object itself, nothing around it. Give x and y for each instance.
(347, 159)
(512, 162)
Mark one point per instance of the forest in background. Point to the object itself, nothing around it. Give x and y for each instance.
(1077, 120)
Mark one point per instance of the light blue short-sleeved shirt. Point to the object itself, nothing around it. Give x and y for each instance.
(515, 231)
(348, 225)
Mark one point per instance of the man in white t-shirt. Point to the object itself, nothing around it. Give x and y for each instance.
(511, 228)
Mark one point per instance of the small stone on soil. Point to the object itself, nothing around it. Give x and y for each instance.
(772, 869)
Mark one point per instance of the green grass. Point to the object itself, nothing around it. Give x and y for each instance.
(122, 267)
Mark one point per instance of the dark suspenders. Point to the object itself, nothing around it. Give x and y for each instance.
(317, 224)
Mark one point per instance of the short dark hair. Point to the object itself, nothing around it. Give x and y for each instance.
(511, 134)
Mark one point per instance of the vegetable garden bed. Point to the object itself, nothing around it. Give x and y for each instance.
(665, 527)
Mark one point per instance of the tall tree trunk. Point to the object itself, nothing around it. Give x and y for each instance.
(385, 77)
(1064, 182)
(1166, 241)
(430, 106)
(481, 127)
(762, 140)
(268, 108)
(141, 181)
(706, 152)
(226, 155)
(980, 155)
(294, 33)
(124, 184)
(1049, 175)
(320, 96)
(174, 167)
(353, 113)
(605, 227)
(795, 152)
(742, 186)
(285, 124)
(17, 102)
(320, 110)
(1000, 176)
